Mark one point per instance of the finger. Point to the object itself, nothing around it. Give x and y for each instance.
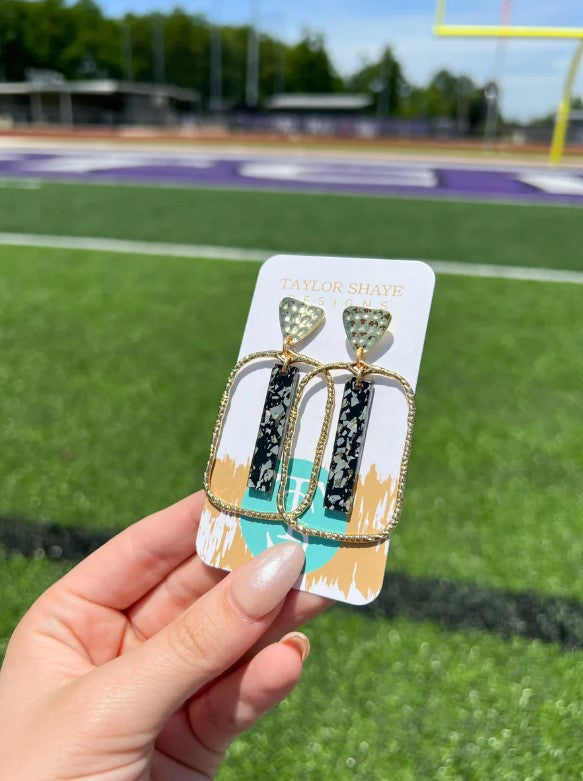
(299, 608)
(193, 578)
(172, 596)
(134, 561)
(163, 766)
(198, 738)
(178, 745)
(238, 700)
(153, 680)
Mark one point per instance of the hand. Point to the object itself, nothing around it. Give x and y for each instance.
(144, 663)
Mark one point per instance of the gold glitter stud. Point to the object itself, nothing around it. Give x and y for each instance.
(365, 327)
(298, 320)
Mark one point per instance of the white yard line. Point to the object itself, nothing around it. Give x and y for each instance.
(20, 184)
(194, 251)
(130, 247)
(506, 272)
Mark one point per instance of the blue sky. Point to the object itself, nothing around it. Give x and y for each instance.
(357, 30)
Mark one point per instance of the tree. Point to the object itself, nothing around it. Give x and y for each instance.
(94, 49)
(187, 48)
(452, 97)
(141, 31)
(234, 64)
(272, 58)
(385, 80)
(47, 33)
(78, 41)
(308, 67)
(13, 49)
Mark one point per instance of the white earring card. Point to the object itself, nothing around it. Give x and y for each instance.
(347, 572)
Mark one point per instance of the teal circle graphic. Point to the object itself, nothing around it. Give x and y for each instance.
(260, 535)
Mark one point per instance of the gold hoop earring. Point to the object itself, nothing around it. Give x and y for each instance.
(364, 329)
(297, 321)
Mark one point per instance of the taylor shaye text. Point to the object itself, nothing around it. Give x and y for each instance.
(370, 292)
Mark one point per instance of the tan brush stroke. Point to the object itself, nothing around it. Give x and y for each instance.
(229, 482)
(360, 567)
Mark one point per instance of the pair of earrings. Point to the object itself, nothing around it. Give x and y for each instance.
(364, 329)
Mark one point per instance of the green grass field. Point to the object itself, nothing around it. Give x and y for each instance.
(470, 664)
(526, 235)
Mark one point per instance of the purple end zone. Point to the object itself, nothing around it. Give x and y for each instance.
(304, 174)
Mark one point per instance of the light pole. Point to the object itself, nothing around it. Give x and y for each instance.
(252, 80)
(216, 76)
(159, 59)
(491, 123)
(278, 20)
(126, 32)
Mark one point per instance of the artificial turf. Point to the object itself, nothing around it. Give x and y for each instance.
(110, 386)
(526, 235)
(108, 391)
(389, 700)
(385, 699)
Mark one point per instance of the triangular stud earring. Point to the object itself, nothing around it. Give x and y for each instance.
(365, 327)
(298, 320)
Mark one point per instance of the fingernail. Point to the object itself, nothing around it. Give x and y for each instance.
(299, 641)
(262, 583)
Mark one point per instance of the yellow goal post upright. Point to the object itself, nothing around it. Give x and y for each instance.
(441, 28)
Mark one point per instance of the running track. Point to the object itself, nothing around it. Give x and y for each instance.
(294, 172)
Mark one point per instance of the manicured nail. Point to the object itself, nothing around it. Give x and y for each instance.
(299, 641)
(261, 584)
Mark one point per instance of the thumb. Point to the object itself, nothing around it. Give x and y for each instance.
(150, 682)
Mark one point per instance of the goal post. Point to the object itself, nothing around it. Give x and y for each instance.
(442, 29)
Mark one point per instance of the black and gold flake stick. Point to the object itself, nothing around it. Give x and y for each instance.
(364, 329)
(280, 392)
(348, 445)
(297, 320)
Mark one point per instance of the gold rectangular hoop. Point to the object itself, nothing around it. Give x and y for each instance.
(233, 509)
(291, 518)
